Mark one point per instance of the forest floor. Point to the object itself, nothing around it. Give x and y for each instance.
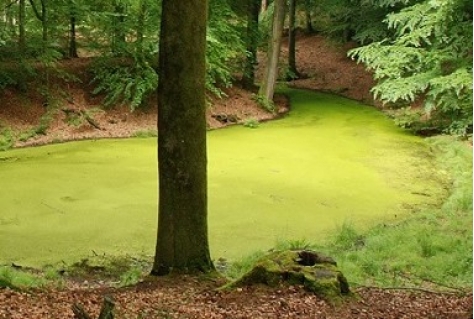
(328, 69)
(324, 64)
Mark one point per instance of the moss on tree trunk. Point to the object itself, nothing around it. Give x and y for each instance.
(182, 242)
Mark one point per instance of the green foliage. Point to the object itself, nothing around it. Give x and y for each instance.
(145, 133)
(124, 81)
(6, 138)
(131, 277)
(17, 279)
(295, 244)
(251, 123)
(40, 129)
(16, 75)
(431, 248)
(358, 20)
(348, 238)
(238, 268)
(264, 102)
(224, 46)
(430, 56)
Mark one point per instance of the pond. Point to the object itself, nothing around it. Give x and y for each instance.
(330, 161)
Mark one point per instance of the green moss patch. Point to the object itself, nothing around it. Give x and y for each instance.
(316, 272)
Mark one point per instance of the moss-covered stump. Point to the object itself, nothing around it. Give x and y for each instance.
(316, 272)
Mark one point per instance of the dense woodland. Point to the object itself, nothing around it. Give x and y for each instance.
(420, 52)
(420, 55)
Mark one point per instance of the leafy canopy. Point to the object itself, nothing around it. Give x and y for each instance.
(429, 56)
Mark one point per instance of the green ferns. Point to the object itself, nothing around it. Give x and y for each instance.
(429, 57)
(124, 82)
(131, 78)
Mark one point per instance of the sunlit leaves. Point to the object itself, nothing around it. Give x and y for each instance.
(430, 56)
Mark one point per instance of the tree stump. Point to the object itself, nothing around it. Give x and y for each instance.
(314, 271)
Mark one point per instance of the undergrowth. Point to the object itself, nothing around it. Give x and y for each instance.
(430, 249)
(118, 271)
(19, 279)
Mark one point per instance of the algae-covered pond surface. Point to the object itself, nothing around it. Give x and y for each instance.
(331, 160)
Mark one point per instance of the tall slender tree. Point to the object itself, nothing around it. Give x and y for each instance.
(253, 9)
(271, 70)
(21, 26)
(182, 241)
(309, 22)
(292, 70)
(72, 50)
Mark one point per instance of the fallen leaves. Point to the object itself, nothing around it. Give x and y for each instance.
(189, 298)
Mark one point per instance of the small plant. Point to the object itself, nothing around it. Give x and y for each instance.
(130, 277)
(252, 123)
(124, 82)
(264, 103)
(238, 268)
(6, 139)
(19, 279)
(145, 133)
(347, 237)
(295, 244)
(80, 117)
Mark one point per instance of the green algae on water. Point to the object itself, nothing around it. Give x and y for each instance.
(329, 161)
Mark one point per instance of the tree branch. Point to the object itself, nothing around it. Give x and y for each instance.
(35, 10)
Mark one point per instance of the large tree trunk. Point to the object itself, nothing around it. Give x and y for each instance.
(252, 43)
(182, 241)
(271, 70)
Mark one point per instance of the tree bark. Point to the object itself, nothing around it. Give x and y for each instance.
(21, 25)
(45, 24)
(309, 22)
(140, 27)
(267, 89)
(264, 6)
(253, 10)
(72, 30)
(182, 241)
(119, 37)
(292, 71)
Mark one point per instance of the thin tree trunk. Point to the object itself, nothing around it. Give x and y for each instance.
(21, 22)
(45, 22)
(72, 30)
(267, 89)
(140, 27)
(292, 71)
(182, 241)
(309, 22)
(264, 6)
(252, 43)
(119, 37)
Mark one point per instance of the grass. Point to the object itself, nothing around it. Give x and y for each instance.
(431, 248)
(145, 133)
(118, 271)
(329, 160)
(21, 279)
(6, 138)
